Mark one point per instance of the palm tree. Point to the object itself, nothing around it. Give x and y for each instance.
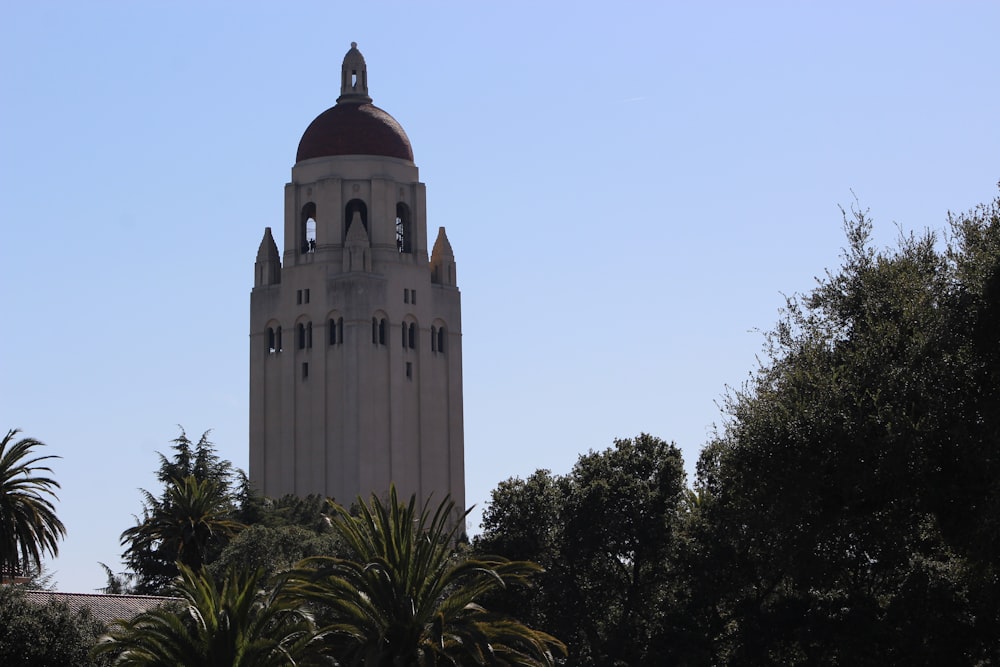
(232, 623)
(180, 527)
(404, 599)
(29, 526)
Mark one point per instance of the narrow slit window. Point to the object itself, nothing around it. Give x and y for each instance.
(411, 336)
(440, 338)
(271, 349)
(434, 344)
(305, 370)
(309, 334)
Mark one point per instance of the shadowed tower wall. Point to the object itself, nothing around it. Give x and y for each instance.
(355, 327)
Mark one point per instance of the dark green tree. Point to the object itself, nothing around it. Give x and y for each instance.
(403, 596)
(29, 526)
(275, 549)
(852, 500)
(191, 521)
(607, 535)
(192, 514)
(45, 635)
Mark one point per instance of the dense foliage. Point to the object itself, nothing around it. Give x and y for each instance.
(45, 635)
(848, 513)
(854, 496)
(607, 535)
(207, 514)
(190, 522)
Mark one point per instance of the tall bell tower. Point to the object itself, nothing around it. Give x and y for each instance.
(355, 333)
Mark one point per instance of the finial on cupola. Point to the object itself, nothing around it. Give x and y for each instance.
(354, 78)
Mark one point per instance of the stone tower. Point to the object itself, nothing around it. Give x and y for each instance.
(355, 334)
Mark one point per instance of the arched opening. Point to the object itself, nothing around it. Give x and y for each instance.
(440, 340)
(336, 331)
(404, 228)
(378, 330)
(302, 336)
(307, 228)
(352, 207)
(271, 349)
(411, 337)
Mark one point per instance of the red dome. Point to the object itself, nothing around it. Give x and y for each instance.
(354, 129)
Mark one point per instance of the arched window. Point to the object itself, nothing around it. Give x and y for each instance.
(307, 228)
(378, 330)
(409, 337)
(271, 349)
(404, 236)
(336, 331)
(355, 206)
(302, 336)
(440, 341)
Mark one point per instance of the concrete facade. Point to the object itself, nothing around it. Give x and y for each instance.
(355, 332)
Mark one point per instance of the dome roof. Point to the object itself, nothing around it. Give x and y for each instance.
(354, 129)
(354, 126)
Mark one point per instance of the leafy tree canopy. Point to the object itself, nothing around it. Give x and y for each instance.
(48, 635)
(853, 498)
(607, 535)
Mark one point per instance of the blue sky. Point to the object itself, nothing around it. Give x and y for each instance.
(629, 192)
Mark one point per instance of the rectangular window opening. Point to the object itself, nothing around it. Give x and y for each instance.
(305, 370)
(409, 369)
